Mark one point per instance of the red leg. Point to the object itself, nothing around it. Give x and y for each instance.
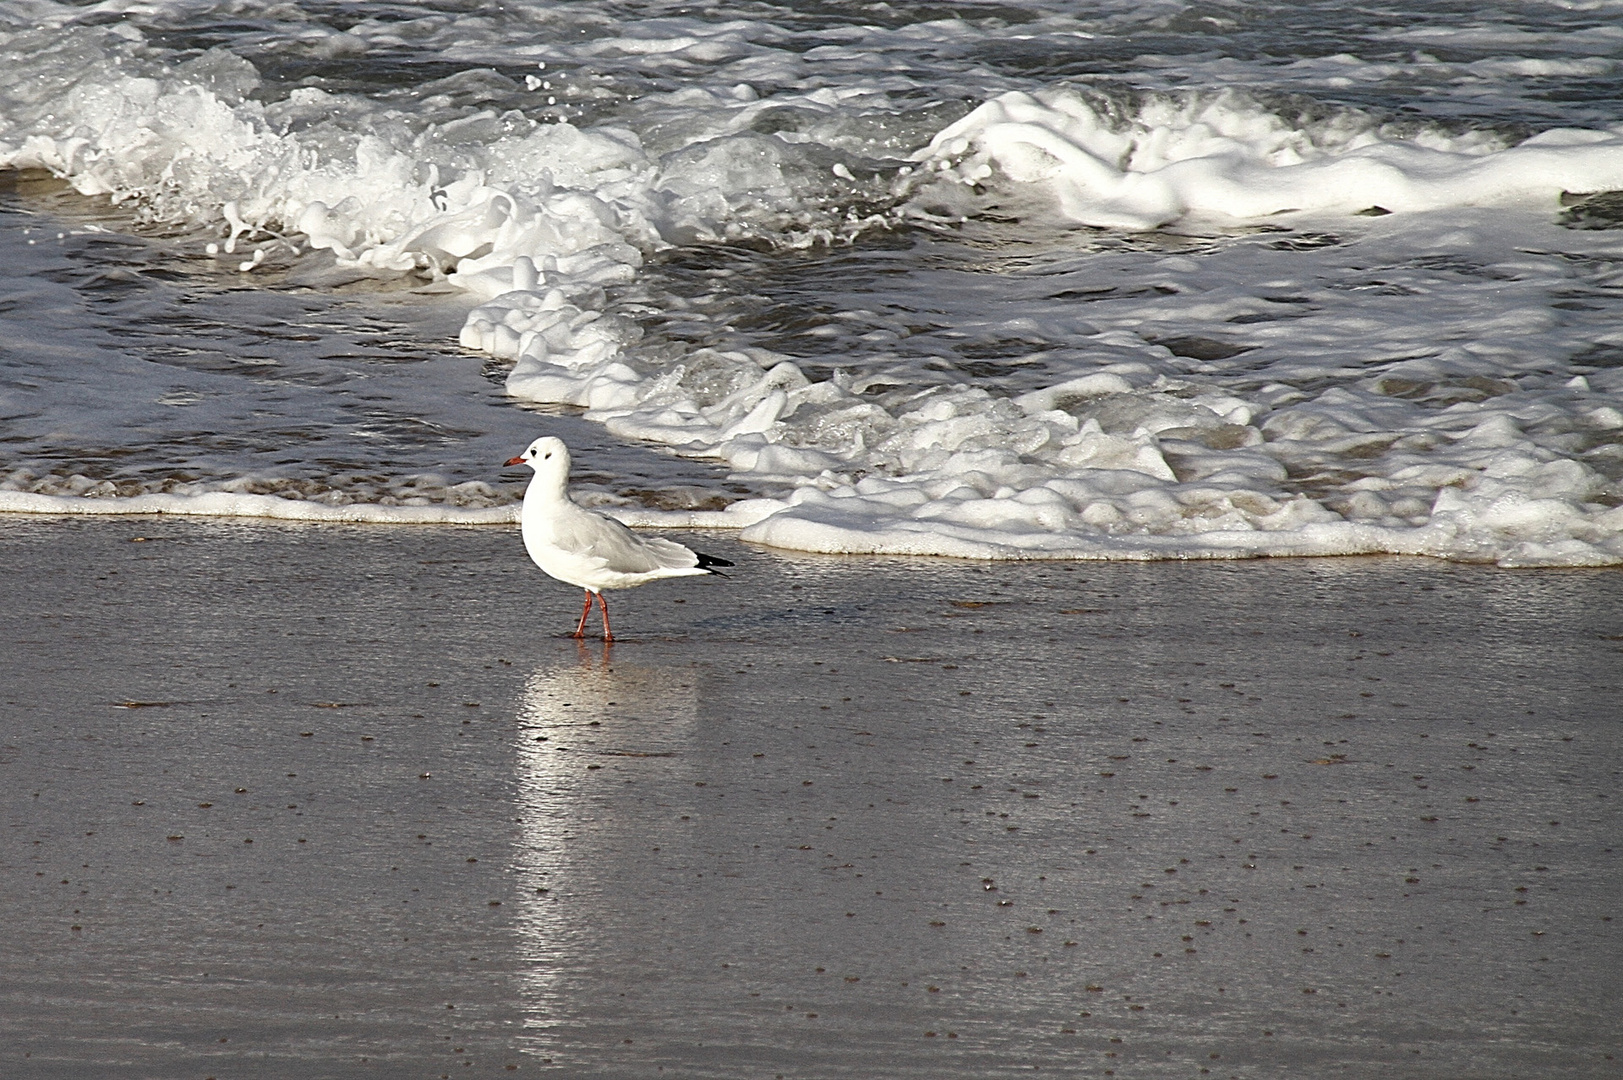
(580, 629)
(603, 603)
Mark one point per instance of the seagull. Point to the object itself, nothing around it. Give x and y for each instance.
(586, 549)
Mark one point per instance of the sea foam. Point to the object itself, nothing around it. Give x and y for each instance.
(1471, 451)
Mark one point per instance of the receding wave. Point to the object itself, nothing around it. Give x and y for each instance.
(541, 220)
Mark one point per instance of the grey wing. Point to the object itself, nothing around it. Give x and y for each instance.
(594, 536)
(670, 554)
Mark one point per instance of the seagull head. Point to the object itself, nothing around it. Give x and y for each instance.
(548, 456)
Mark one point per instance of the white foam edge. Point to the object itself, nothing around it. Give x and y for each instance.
(229, 504)
(796, 532)
(738, 515)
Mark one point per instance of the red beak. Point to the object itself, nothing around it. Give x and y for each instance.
(514, 461)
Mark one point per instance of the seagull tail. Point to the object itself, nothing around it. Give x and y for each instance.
(710, 562)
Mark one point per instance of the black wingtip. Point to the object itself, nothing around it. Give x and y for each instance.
(710, 562)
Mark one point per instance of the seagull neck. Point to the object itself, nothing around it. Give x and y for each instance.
(544, 490)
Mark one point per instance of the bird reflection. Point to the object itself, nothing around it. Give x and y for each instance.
(597, 739)
(597, 706)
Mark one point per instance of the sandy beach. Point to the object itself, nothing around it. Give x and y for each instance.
(343, 801)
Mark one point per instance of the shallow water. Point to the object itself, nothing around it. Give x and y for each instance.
(1005, 280)
(134, 370)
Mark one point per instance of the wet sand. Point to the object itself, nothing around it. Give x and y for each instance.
(326, 801)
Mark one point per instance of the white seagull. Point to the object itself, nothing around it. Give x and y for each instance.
(586, 549)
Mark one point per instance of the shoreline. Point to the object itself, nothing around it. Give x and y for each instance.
(759, 529)
(343, 801)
